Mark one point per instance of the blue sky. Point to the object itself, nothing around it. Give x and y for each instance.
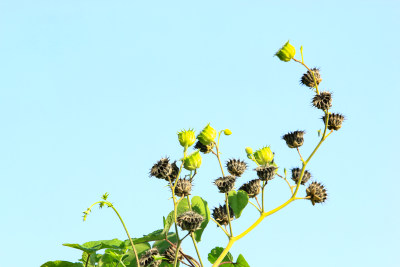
(92, 93)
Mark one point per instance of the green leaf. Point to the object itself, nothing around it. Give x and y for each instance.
(238, 201)
(162, 245)
(62, 264)
(200, 206)
(93, 246)
(241, 262)
(107, 260)
(129, 258)
(93, 259)
(216, 252)
(153, 236)
(182, 207)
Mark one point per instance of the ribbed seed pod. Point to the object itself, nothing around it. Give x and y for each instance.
(207, 135)
(147, 260)
(296, 175)
(174, 172)
(162, 169)
(170, 253)
(266, 172)
(183, 187)
(322, 101)
(294, 139)
(236, 167)
(225, 184)
(316, 192)
(334, 121)
(220, 214)
(189, 221)
(203, 148)
(308, 80)
(252, 188)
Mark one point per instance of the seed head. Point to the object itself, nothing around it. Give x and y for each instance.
(204, 149)
(170, 254)
(316, 192)
(225, 184)
(267, 172)
(192, 161)
(294, 139)
(236, 167)
(322, 101)
(308, 80)
(207, 135)
(296, 175)
(252, 188)
(174, 174)
(189, 221)
(286, 53)
(162, 169)
(220, 214)
(183, 187)
(147, 259)
(187, 137)
(334, 121)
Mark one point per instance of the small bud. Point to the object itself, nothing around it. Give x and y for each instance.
(264, 155)
(186, 137)
(192, 161)
(204, 149)
(286, 53)
(220, 214)
(316, 192)
(322, 101)
(207, 135)
(225, 184)
(162, 169)
(105, 196)
(189, 221)
(334, 121)
(170, 253)
(249, 150)
(236, 167)
(147, 258)
(227, 132)
(308, 80)
(294, 139)
(296, 176)
(252, 188)
(266, 172)
(183, 188)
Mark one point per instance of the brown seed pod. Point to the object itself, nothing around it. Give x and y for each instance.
(322, 101)
(308, 80)
(183, 187)
(174, 173)
(220, 214)
(204, 148)
(316, 192)
(162, 169)
(236, 167)
(170, 254)
(147, 259)
(252, 188)
(334, 121)
(189, 221)
(294, 139)
(266, 173)
(225, 184)
(296, 175)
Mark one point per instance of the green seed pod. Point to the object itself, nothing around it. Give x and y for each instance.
(192, 161)
(264, 155)
(227, 132)
(286, 53)
(207, 136)
(187, 137)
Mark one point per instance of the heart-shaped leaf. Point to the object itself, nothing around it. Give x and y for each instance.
(238, 201)
(200, 206)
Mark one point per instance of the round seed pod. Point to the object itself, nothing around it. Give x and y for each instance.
(264, 155)
(225, 184)
(294, 139)
(183, 187)
(334, 121)
(170, 253)
(207, 135)
(286, 53)
(162, 169)
(296, 175)
(147, 259)
(192, 161)
(308, 80)
(220, 214)
(322, 101)
(236, 167)
(186, 137)
(174, 173)
(252, 188)
(189, 221)
(316, 192)
(267, 172)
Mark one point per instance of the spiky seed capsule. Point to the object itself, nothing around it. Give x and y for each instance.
(183, 187)
(162, 169)
(264, 155)
(174, 174)
(147, 259)
(236, 167)
(286, 53)
(225, 184)
(189, 221)
(187, 137)
(207, 135)
(308, 80)
(322, 101)
(220, 214)
(296, 176)
(204, 149)
(192, 161)
(170, 253)
(267, 172)
(294, 139)
(334, 121)
(316, 192)
(252, 188)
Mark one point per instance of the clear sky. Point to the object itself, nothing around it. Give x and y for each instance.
(92, 94)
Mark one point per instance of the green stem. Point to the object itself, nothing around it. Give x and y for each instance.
(222, 228)
(229, 216)
(312, 73)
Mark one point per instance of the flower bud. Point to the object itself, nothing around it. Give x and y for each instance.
(192, 161)
(286, 53)
(207, 135)
(249, 150)
(264, 155)
(227, 132)
(186, 138)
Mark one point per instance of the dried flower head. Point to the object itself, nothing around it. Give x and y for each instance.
(308, 80)
(322, 101)
(267, 172)
(162, 169)
(334, 121)
(316, 192)
(170, 253)
(236, 167)
(183, 187)
(296, 175)
(252, 188)
(204, 148)
(174, 173)
(294, 139)
(147, 259)
(220, 214)
(225, 184)
(189, 221)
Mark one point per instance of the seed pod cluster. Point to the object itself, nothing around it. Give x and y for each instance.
(308, 80)
(267, 172)
(220, 214)
(296, 176)
(225, 184)
(170, 253)
(294, 139)
(183, 187)
(162, 169)
(322, 101)
(316, 192)
(189, 221)
(147, 259)
(252, 188)
(236, 167)
(334, 121)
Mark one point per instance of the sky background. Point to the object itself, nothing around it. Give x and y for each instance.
(92, 94)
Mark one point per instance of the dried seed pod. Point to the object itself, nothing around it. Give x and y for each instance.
(252, 188)
(316, 192)
(334, 121)
(225, 184)
(162, 169)
(308, 80)
(174, 173)
(220, 214)
(322, 101)
(189, 221)
(294, 139)
(170, 253)
(267, 172)
(296, 175)
(204, 148)
(236, 167)
(183, 187)
(147, 259)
